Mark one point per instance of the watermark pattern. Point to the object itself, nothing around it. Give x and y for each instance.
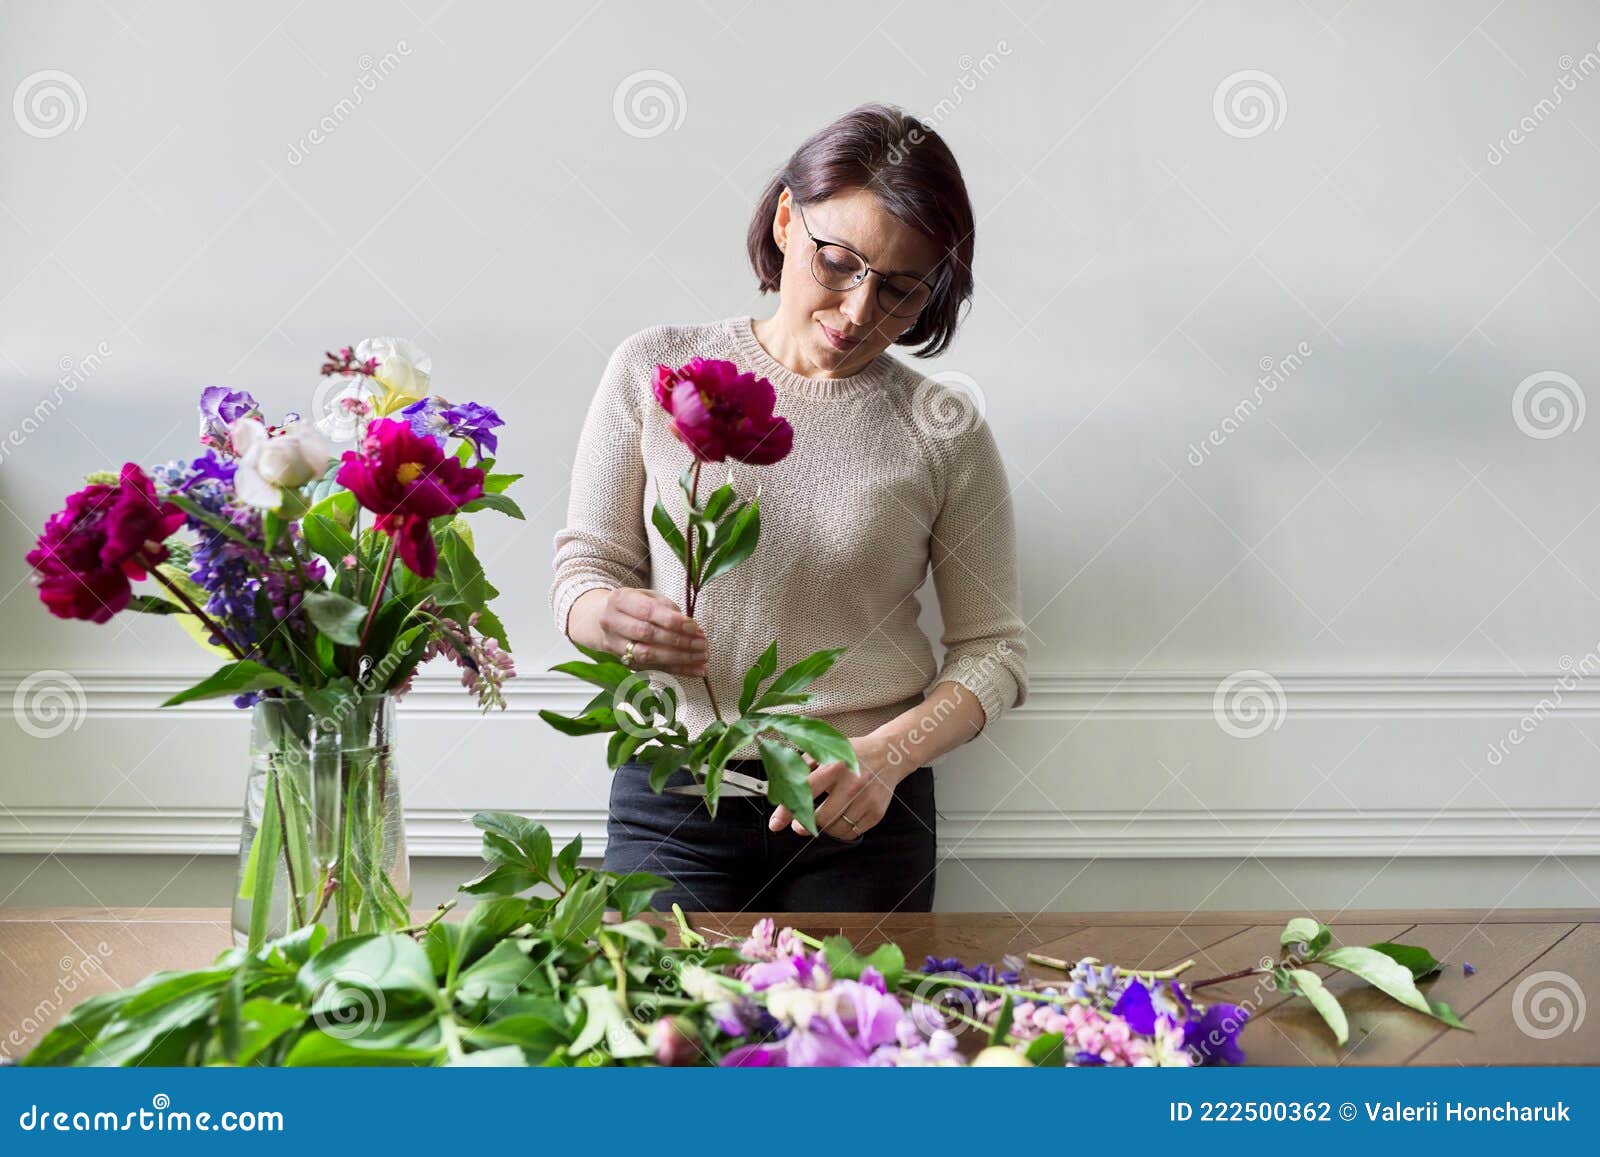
(1274, 372)
(975, 671)
(948, 404)
(45, 1013)
(1249, 703)
(74, 372)
(49, 703)
(1546, 706)
(649, 103)
(347, 1005)
(1249, 103)
(637, 700)
(49, 103)
(1548, 404)
(1571, 72)
(972, 72)
(1547, 1004)
(373, 72)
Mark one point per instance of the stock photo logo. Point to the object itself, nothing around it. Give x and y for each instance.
(1548, 404)
(49, 703)
(1249, 703)
(1548, 1004)
(948, 404)
(649, 103)
(49, 103)
(1249, 103)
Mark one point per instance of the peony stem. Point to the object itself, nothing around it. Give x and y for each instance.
(377, 593)
(183, 597)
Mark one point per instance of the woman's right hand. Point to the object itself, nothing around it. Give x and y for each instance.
(663, 637)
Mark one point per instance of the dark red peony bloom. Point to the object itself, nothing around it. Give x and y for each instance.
(106, 537)
(406, 480)
(721, 413)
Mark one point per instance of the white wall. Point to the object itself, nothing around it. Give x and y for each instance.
(1383, 536)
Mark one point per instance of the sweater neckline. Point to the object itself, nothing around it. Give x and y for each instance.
(875, 373)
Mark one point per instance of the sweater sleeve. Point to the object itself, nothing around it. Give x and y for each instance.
(973, 551)
(604, 544)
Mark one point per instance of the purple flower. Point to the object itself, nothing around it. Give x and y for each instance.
(219, 408)
(1467, 969)
(1213, 1038)
(433, 417)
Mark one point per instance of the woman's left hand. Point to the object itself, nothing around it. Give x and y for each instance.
(864, 798)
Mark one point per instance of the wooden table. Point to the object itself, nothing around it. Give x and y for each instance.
(47, 960)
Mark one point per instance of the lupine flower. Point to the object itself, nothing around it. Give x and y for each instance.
(406, 480)
(106, 536)
(485, 665)
(1467, 969)
(720, 413)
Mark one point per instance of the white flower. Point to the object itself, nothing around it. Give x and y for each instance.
(342, 404)
(403, 367)
(268, 465)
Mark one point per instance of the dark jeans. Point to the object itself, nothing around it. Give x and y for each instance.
(733, 863)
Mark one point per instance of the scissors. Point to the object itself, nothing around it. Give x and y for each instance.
(746, 784)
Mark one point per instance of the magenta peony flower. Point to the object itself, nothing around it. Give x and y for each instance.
(106, 536)
(406, 480)
(721, 413)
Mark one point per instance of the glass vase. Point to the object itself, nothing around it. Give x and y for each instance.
(323, 837)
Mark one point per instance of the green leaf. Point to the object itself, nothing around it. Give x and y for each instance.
(1047, 1050)
(606, 1023)
(1303, 929)
(234, 679)
(610, 675)
(567, 860)
(326, 537)
(668, 530)
(763, 669)
(631, 894)
(578, 914)
(152, 605)
(349, 971)
(498, 483)
(1445, 1013)
(847, 964)
(465, 578)
(497, 502)
(717, 505)
(337, 617)
(261, 1022)
(1309, 985)
(1419, 960)
(738, 543)
(589, 723)
(498, 974)
(515, 840)
(822, 741)
(788, 783)
(800, 676)
(414, 1041)
(1381, 971)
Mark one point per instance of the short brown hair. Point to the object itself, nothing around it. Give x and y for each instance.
(910, 169)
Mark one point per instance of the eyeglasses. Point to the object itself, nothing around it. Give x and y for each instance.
(840, 268)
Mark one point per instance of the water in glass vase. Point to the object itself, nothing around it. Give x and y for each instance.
(323, 837)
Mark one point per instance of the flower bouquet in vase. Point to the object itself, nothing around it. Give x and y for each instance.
(718, 413)
(323, 584)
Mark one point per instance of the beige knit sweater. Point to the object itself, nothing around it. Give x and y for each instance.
(891, 472)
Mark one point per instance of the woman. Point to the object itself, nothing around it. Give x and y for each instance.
(867, 235)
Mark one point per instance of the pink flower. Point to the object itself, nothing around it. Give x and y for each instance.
(106, 536)
(721, 413)
(406, 480)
